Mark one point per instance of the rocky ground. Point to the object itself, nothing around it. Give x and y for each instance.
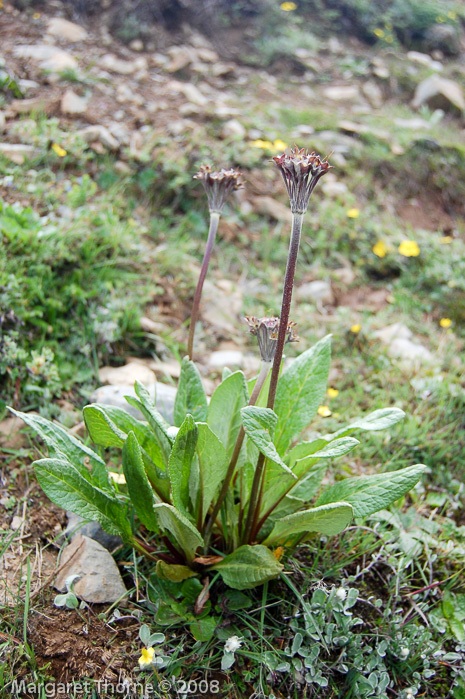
(121, 100)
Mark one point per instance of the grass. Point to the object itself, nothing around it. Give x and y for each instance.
(88, 254)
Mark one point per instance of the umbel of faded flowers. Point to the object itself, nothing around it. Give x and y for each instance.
(301, 171)
(266, 329)
(218, 185)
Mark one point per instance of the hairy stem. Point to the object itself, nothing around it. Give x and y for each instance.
(294, 245)
(265, 367)
(214, 220)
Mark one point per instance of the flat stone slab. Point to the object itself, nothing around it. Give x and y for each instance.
(99, 581)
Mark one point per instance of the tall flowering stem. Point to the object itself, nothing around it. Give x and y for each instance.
(300, 171)
(218, 187)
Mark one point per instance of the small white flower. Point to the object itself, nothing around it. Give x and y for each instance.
(409, 694)
(232, 644)
(172, 432)
(404, 652)
(341, 593)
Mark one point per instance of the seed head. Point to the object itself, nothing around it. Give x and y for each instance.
(266, 329)
(218, 185)
(301, 171)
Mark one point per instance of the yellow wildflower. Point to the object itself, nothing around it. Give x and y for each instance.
(445, 322)
(288, 6)
(265, 145)
(388, 26)
(353, 213)
(36, 15)
(452, 15)
(61, 152)
(389, 39)
(378, 32)
(332, 392)
(147, 657)
(380, 249)
(324, 411)
(117, 477)
(440, 19)
(409, 248)
(446, 239)
(278, 552)
(279, 145)
(355, 328)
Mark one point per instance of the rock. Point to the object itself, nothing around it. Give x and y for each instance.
(319, 292)
(127, 374)
(345, 275)
(226, 358)
(272, 208)
(118, 65)
(233, 129)
(331, 186)
(61, 28)
(71, 103)
(50, 58)
(222, 304)
(16, 523)
(33, 104)
(181, 58)
(410, 353)
(163, 369)
(114, 395)
(342, 93)
(100, 134)
(136, 45)
(444, 38)
(303, 131)
(2, 122)
(11, 435)
(193, 94)
(373, 93)
(77, 526)
(152, 326)
(17, 152)
(392, 332)
(99, 579)
(439, 93)
(415, 123)
(425, 60)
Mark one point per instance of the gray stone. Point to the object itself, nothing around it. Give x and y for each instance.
(233, 129)
(342, 93)
(17, 152)
(392, 332)
(415, 123)
(127, 374)
(77, 526)
(439, 93)
(49, 57)
(318, 292)
(100, 134)
(411, 353)
(114, 395)
(272, 208)
(71, 103)
(443, 37)
(99, 580)
(424, 59)
(373, 93)
(226, 358)
(118, 65)
(62, 29)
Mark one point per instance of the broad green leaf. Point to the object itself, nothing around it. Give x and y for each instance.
(139, 488)
(224, 410)
(213, 464)
(248, 566)
(378, 420)
(327, 519)
(190, 397)
(259, 424)
(173, 572)
(156, 421)
(101, 428)
(66, 487)
(180, 464)
(368, 494)
(300, 391)
(203, 629)
(109, 426)
(277, 483)
(60, 442)
(185, 535)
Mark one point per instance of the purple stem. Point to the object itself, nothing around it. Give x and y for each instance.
(214, 219)
(253, 510)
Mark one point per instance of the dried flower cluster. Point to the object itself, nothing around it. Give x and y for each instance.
(266, 329)
(218, 185)
(301, 171)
